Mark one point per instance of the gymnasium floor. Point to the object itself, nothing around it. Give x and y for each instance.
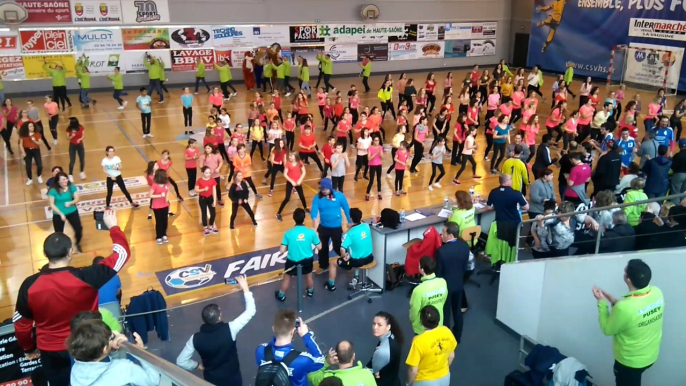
(24, 224)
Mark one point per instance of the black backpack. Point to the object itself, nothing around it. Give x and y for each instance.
(274, 372)
(390, 218)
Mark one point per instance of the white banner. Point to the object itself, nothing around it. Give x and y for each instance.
(9, 43)
(190, 37)
(96, 11)
(402, 51)
(266, 35)
(346, 32)
(230, 37)
(484, 30)
(342, 53)
(356, 40)
(430, 32)
(98, 39)
(102, 63)
(132, 61)
(431, 50)
(482, 47)
(658, 29)
(648, 67)
(139, 12)
(458, 31)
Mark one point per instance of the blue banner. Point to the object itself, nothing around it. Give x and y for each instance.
(583, 32)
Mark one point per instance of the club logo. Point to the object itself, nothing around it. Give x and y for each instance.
(190, 277)
(78, 9)
(103, 9)
(191, 37)
(147, 11)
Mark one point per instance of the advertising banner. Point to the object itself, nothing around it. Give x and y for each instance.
(235, 56)
(227, 37)
(306, 52)
(402, 51)
(304, 34)
(145, 11)
(648, 67)
(458, 31)
(266, 35)
(9, 43)
(98, 39)
(484, 30)
(457, 48)
(187, 60)
(133, 60)
(149, 38)
(485, 47)
(101, 63)
(46, 11)
(366, 39)
(378, 52)
(597, 27)
(431, 50)
(409, 34)
(12, 67)
(191, 37)
(15, 368)
(41, 41)
(33, 65)
(96, 11)
(342, 53)
(430, 32)
(355, 32)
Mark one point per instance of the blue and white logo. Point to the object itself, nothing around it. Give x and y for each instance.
(639, 56)
(229, 32)
(190, 277)
(256, 31)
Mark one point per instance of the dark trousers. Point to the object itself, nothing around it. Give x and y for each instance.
(52, 123)
(319, 78)
(374, 172)
(175, 186)
(57, 367)
(289, 88)
(206, 206)
(163, 87)
(325, 234)
(627, 376)
(516, 115)
(434, 167)
(390, 168)
(399, 175)
(117, 96)
(337, 183)
(456, 152)
(498, 154)
(418, 154)
(290, 140)
(431, 102)
(33, 155)
(59, 95)
(453, 304)
(75, 222)
(465, 158)
(327, 82)
(7, 136)
(155, 85)
(245, 206)
(73, 151)
(110, 186)
(192, 177)
(365, 83)
(146, 118)
(272, 172)
(197, 83)
(289, 190)
(187, 116)
(360, 162)
(218, 187)
(257, 145)
(305, 156)
(258, 75)
(225, 88)
(536, 89)
(386, 107)
(161, 221)
(489, 144)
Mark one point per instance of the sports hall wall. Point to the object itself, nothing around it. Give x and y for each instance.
(584, 31)
(467, 32)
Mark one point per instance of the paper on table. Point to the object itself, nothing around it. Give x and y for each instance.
(415, 217)
(479, 206)
(445, 213)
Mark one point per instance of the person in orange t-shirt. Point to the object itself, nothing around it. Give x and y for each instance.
(307, 145)
(243, 163)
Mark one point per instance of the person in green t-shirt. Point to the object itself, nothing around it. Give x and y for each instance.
(286, 62)
(366, 66)
(569, 77)
(356, 247)
(635, 323)
(350, 371)
(224, 71)
(304, 76)
(268, 75)
(84, 77)
(432, 291)
(298, 242)
(163, 77)
(153, 75)
(118, 82)
(200, 76)
(327, 68)
(59, 83)
(63, 198)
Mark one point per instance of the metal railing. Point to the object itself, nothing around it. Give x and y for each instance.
(599, 233)
(170, 374)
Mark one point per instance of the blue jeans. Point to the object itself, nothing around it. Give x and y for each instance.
(305, 86)
(155, 85)
(2, 96)
(84, 96)
(197, 83)
(117, 95)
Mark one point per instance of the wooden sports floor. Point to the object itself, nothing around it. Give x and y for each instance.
(24, 226)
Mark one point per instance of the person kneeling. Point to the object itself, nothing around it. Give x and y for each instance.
(356, 248)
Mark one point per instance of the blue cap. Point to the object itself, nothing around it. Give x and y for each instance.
(682, 142)
(325, 183)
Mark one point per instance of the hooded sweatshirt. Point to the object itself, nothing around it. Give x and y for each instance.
(117, 372)
(657, 170)
(633, 212)
(357, 375)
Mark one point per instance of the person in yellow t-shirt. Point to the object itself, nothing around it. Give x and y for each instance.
(257, 138)
(553, 21)
(516, 168)
(432, 352)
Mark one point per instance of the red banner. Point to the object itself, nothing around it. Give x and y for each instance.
(46, 11)
(235, 57)
(186, 60)
(45, 41)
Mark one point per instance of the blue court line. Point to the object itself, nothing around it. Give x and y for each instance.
(145, 157)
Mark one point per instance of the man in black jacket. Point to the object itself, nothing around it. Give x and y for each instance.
(451, 264)
(678, 181)
(543, 157)
(650, 229)
(621, 238)
(606, 174)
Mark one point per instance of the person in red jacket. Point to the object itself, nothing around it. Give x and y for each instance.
(53, 296)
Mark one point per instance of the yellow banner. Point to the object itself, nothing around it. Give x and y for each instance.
(33, 65)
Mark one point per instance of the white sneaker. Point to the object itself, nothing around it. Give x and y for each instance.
(234, 94)
(71, 178)
(151, 136)
(437, 185)
(228, 99)
(160, 102)
(145, 136)
(120, 107)
(125, 103)
(29, 182)
(82, 175)
(431, 189)
(388, 175)
(195, 93)
(192, 193)
(40, 179)
(54, 142)
(288, 94)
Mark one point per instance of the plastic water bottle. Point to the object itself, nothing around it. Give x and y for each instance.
(471, 192)
(446, 203)
(374, 222)
(402, 215)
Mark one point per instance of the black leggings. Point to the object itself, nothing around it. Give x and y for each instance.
(399, 175)
(289, 190)
(557, 130)
(431, 101)
(390, 168)
(146, 118)
(192, 177)
(305, 156)
(375, 171)
(536, 89)
(225, 86)
(161, 221)
(59, 95)
(418, 154)
(465, 158)
(361, 161)
(274, 169)
(251, 184)
(290, 140)
(110, 186)
(52, 123)
(337, 183)
(33, 154)
(489, 144)
(246, 207)
(7, 136)
(176, 187)
(386, 107)
(434, 167)
(456, 152)
(218, 187)
(516, 115)
(532, 153)
(73, 151)
(187, 116)
(74, 220)
(222, 151)
(205, 206)
(498, 154)
(257, 145)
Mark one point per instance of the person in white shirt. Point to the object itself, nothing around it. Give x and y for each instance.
(216, 342)
(111, 165)
(362, 160)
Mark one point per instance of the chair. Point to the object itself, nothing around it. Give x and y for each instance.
(470, 235)
(364, 287)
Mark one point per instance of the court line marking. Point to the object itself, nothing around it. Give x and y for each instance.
(7, 179)
(332, 309)
(128, 137)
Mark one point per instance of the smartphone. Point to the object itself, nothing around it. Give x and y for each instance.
(230, 280)
(297, 323)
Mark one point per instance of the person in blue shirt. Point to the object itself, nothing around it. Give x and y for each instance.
(664, 135)
(356, 248)
(111, 291)
(298, 241)
(628, 146)
(143, 103)
(187, 102)
(281, 345)
(657, 172)
(327, 219)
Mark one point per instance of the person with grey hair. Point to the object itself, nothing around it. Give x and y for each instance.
(621, 238)
(648, 149)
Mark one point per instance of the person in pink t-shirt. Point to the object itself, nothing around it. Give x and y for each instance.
(530, 129)
(517, 100)
(191, 155)
(401, 160)
(421, 131)
(555, 120)
(578, 177)
(213, 160)
(492, 102)
(570, 129)
(216, 99)
(506, 108)
(374, 156)
(586, 113)
(159, 192)
(321, 101)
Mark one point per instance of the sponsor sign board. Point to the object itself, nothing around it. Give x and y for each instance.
(402, 51)
(190, 37)
(148, 38)
(133, 60)
(101, 62)
(96, 12)
(42, 41)
(482, 47)
(658, 29)
(457, 48)
(33, 65)
(187, 60)
(9, 43)
(378, 52)
(342, 53)
(235, 57)
(430, 32)
(145, 11)
(12, 67)
(46, 11)
(98, 39)
(304, 34)
(409, 34)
